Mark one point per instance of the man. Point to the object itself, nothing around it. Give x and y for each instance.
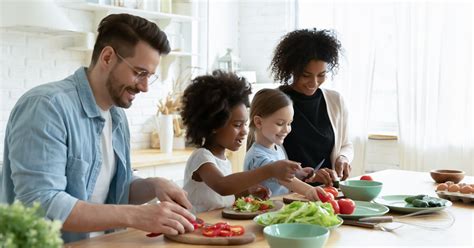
(67, 143)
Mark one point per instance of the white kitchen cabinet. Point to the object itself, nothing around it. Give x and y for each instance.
(153, 163)
(173, 172)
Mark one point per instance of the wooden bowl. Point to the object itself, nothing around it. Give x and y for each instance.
(441, 176)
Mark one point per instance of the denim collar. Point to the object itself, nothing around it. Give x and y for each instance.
(89, 105)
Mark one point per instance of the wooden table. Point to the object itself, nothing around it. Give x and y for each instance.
(395, 182)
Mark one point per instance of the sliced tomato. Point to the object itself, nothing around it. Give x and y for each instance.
(237, 230)
(248, 199)
(225, 233)
(198, 223)
(210, 232)
(221, 225)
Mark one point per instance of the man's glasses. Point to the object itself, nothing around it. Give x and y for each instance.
(140, 76)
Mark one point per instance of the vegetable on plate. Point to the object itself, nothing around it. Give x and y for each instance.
(252, 204)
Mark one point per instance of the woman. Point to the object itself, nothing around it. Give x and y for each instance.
(319, 139)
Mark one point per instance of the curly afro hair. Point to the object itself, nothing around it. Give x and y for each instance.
(297, 48)
(208, 102)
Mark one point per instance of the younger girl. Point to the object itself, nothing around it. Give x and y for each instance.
(215, 115)
(271, 114)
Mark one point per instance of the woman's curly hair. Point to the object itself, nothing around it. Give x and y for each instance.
(297, 48)
(208, 102)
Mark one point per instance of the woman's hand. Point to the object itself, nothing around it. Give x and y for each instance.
(304, 173)
(325, 175)
(343, 168)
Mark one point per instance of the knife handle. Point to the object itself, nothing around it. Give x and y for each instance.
(152, 235)
(377, 219)
(358, 223)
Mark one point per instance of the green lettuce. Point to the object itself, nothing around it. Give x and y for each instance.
(316, 213)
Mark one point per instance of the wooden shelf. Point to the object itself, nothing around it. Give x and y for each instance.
(153, 15)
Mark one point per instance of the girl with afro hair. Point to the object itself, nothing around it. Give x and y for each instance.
(215, 115)
(301, 62)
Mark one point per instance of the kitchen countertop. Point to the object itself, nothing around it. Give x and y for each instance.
(395, 182)
(153, 157)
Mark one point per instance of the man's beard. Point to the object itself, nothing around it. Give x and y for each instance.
(116, 90)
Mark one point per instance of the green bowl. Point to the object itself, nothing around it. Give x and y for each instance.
(296, 235)
(361, 190)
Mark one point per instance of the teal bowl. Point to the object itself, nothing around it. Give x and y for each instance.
(296, 235)
(361, 190)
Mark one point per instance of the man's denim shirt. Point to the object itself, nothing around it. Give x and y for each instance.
(52, 149)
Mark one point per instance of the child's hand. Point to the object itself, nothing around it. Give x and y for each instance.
(304, 173)
(285, 170)
(312, 194)
(260, 191)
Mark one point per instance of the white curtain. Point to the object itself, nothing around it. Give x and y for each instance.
(421, 49)
(434, 84)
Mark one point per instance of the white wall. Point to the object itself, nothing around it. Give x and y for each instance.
(261, 25)
(28, 60)
(223, 30)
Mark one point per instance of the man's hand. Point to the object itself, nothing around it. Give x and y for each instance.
(343, 168)
(165, 217)
(285, 170)
(166, 190)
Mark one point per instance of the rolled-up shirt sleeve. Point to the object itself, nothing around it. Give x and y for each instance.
(37, 152)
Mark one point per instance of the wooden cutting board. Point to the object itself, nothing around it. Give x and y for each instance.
(294, 197)
(297, 197)
(196, 238)
(229, 213)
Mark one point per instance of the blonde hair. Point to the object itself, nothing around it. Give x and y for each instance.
(264, 103)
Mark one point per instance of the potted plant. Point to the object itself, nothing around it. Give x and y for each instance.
(22, 226)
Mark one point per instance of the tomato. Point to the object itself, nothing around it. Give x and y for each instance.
(223, 230)
(264, 207)
(237, 230)
(198, 223)
(325, 198)
(346, 206)
(248, 199)
(331, 190)
(335, 206)
(221, 225)
(225, 233)
(210, 232)
(366, 177)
